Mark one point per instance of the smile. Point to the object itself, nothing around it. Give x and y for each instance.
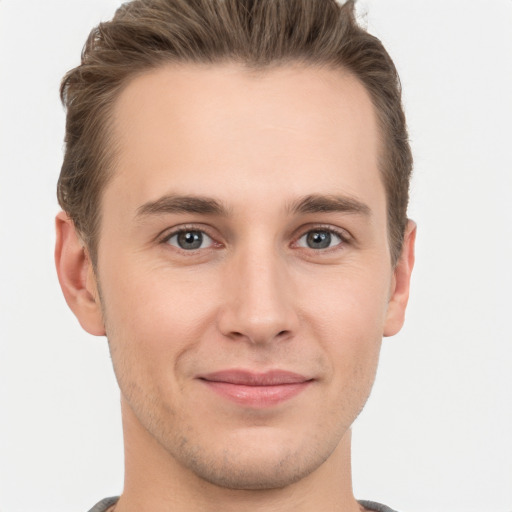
(257, 390)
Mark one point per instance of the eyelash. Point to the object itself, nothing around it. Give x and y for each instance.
(188, 229)
(341, 234)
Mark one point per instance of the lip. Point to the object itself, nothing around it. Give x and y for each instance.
(257, 390)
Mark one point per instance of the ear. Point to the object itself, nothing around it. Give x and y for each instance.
(76, 276)
(400, 285)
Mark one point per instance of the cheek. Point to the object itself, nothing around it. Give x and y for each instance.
(347, 319)
(153, 317)
(353, 350)
(351, 303)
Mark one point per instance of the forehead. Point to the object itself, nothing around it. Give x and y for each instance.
(223, 129)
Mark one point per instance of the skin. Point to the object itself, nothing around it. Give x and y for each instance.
(256, 295)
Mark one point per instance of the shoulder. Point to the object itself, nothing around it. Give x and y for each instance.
(105, 504)
(373, 506)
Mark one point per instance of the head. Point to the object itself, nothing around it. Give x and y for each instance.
(235, 188)
(147, 34)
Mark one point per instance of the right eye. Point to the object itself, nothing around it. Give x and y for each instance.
(190, 240)
(321, 238)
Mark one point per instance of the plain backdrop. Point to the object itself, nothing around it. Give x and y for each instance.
(436, 435)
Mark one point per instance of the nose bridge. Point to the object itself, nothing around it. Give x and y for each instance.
(258, 303)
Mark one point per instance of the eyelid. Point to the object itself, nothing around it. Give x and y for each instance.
(205, 239)
(165, 235)
(344, 236)
(342, 233)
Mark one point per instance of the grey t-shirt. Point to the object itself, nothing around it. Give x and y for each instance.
(103, 505)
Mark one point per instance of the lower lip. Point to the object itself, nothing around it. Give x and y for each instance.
(257, 396)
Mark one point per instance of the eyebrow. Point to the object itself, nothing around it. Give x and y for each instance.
(317, 203)
(182, 204)
(314, 203)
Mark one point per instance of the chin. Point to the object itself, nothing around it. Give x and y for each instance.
(242, 473)
(253, 462)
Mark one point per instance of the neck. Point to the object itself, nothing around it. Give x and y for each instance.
(155, 481)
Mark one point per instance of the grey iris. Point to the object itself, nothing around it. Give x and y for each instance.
(190, 240)
(318, 239)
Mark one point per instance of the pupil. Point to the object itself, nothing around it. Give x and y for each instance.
(190, 240)
(319, 239)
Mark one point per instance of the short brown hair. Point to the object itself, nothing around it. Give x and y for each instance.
(145, 34)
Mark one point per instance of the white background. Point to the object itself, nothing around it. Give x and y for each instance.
(437, 433)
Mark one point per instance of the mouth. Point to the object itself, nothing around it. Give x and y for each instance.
(257, 390)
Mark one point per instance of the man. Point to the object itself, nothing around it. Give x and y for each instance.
(234, 189)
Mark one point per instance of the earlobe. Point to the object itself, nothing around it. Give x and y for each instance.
(399, 297)
(76, 276)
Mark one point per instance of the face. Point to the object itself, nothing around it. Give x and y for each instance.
(243, 266)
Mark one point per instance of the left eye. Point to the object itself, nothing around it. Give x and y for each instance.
(190, 240)
(319, 239)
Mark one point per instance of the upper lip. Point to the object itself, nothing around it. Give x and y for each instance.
(251, 378)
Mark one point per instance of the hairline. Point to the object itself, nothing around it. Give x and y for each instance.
(110, 144)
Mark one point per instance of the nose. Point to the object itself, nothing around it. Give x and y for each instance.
(258, 299)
